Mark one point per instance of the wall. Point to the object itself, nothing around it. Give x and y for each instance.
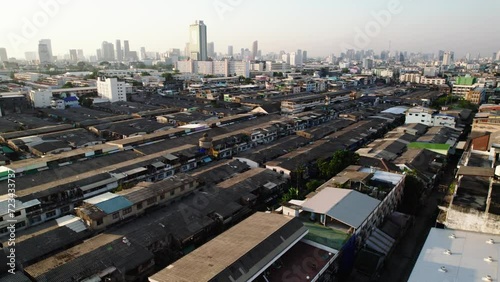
(472, 220)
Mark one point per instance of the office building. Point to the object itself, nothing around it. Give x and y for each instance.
(126, 50)
(119, 51)
(367, 63)
(45, 51)
(144, 56)
(198, 41)
(304, 56)
(73, 56)
(80, 55)
(3, 55)
(230, 50)
(211, 50)
(30, 56)
(255, 49)
(111, 89)
(108, 51)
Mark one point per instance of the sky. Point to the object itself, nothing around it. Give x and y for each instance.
(321, 27)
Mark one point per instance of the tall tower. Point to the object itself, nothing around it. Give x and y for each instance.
(255, 49)
(230, 50)
(198, 41)
(211, 50)
(126, 50)
(119, 51)
(45, 51)
(4, 58)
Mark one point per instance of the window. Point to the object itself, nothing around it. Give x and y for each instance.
(50, 214)
(20, 224)
(99, 221)
(116, 215)
(17, 213)
(162, 197)
(151, 201)
(127, 211)
(65, 209)
(172, 192)
(139, 206)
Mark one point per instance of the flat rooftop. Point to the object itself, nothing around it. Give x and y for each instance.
(465, 263)
(232, 255)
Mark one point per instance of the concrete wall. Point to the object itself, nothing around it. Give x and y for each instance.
(472, 220)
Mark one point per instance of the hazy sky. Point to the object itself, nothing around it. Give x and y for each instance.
(319, 26)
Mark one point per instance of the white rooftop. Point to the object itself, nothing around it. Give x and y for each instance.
(101, 198)
(396, 110)
(467, 261)
(347, 206)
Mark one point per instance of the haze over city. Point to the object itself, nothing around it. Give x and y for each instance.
(321, 27)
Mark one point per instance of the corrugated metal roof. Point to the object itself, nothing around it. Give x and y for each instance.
(347, 206)
(113, 205)
(101, 198)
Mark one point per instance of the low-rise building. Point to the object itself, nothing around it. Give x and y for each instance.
(40, 99)
(429, 117)
(111, 89)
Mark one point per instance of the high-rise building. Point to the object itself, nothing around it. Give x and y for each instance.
(3, 55)
(304, 56)
(126, 50)
(498, 56)
(448, 58)
(367, 63)
(211, 50)
(230, 50)
(98, 53)
(119, 51)
(144, 55)
(198, 41)
(255, 49)
(440, 55)
(45, 51)
(30, 56)
(73, 56)
(108, 51)
(80, 55)
(186, 50)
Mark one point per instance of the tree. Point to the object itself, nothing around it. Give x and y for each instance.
(168, 76)
(68, 85)
(86, 102)
(12, 76)
(413, 191)
(339, 161)
(313, 185)
(145, 73)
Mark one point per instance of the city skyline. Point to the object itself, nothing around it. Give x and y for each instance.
(327, 28)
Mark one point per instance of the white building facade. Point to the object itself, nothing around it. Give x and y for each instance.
(112, 89)
(40, 99)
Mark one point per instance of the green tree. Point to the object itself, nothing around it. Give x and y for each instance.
(12, 76)
(68, 85)
(339, 161)
(145, 73)
(312, 185)
(85, 102)
(168, 76)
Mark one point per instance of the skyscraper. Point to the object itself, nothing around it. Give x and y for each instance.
(198, 41)
(80, 55)
(119, 51)
(3, 55)
(108, 51)
(144, 56)
(230, 50)
(73, 56)
(304, 56)
(45, 51)
(448, 58)
(211, 50)
(126, 50)
(255, 49)
(186, 50)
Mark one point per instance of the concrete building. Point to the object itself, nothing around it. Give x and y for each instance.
(211, 50)
(198, 41)
(462, 85)
(73, 56)
(410, 77)
(428, 117)
(119, 51)
(126, 50)
(111, 89)
(476, 96)
(432, 80)
(367, 63)
(108, 51)
(40, 99)
(45, 51)
(255, 49)
(230, 50)
(3, 55)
